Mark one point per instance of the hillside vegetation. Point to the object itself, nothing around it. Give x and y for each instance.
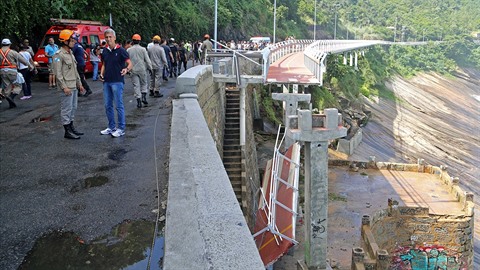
(240, 19)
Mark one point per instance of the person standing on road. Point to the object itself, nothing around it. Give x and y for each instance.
(182, 56)
(50, 50)
(207, 46)
(68, 82)
(168, 54)
(29, 48)
(114, 58)
(94, 60)
(80, 56)
(12, 80)
(141, 63)
(27, 74)
(159, 62)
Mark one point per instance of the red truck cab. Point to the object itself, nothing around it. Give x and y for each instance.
(90, 32)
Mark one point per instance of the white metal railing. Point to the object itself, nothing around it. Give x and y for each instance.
(269, 205)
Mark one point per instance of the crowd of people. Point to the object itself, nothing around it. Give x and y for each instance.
(161, 60)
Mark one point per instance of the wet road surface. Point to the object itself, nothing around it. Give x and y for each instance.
(87, 186)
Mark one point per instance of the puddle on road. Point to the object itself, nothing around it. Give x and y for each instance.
(117, 154)
(41, 119)
(89, 182)
(127, 247)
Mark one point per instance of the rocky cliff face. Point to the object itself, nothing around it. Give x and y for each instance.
(434, 118)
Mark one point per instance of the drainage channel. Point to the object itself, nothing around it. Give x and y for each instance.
(128, 246)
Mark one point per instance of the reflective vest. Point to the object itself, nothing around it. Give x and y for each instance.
(5, 62)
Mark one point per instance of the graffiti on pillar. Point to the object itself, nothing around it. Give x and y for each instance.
(318, 228)
(427, 258)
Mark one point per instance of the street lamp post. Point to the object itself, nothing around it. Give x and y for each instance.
(274, 19)
(335, 30)
(315, 22)
(215, 28)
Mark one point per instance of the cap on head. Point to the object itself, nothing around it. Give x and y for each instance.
(6, 41)
(172, 39)
(75, 36)
(136, 37)
(65, 35)
(157, 38)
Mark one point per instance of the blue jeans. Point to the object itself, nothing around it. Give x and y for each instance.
(113, 92)
(95, 70)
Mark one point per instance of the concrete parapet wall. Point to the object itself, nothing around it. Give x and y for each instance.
(348, 146)
(205, 227)
(211, 98)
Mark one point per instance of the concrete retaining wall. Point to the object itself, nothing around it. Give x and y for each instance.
(348, 146)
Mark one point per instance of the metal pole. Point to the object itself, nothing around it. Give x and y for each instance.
(215, 28)
(315, 22)
(274, 19)
(335, 32)
(395, 31)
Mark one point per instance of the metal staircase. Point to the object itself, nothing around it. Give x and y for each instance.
(232, 151)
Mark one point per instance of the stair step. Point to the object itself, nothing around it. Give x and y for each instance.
(231, 147)
(233, 170)
(229, 152)
(232, 165)
(228, 159)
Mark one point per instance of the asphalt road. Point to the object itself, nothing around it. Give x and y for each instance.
(44, 178)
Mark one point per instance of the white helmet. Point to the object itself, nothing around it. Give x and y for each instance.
(6, 41)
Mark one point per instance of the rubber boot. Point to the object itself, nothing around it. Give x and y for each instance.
(151, 93)
(144, 98)
(74, 131)
(157, 95)
(69, 134)
(11, 103)
(139, 103)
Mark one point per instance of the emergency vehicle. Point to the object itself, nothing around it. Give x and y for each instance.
(90, 32)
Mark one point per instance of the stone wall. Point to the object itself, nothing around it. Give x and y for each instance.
(211, 97)
(249, 152)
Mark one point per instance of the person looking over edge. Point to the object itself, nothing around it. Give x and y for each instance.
(50, 50)
(114, 58)
(141, 63)
(68, 82)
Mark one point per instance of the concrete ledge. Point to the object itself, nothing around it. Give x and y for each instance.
(205, 228)
(193, 78)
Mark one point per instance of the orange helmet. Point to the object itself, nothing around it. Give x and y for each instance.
(157, 38)
(65, 35)
(136, 37)
(207, 36)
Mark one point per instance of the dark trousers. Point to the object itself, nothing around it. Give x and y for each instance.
(81, 72)
(26, 86)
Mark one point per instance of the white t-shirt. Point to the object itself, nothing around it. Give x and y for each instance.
(27, 57)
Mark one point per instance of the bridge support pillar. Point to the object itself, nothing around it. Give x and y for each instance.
(316, 130)
(290, 106)
(351, 59)
(356, 61)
